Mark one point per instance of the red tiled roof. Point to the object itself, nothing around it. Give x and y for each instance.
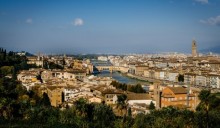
(178, 90)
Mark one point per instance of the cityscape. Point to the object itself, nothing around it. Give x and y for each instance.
(110, 63)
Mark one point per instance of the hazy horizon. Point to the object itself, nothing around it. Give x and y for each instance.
(109, 26)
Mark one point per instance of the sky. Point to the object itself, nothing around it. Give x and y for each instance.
(109, 26)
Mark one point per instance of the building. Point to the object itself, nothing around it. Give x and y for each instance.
(139, 102)
(173, 76)
(70, 93)
(177, 97)
(111, 96)
(77, 64)
(214, 80)
(139, 69)
(157, 94)
(200, 80)
(39, 60)
(95, 99)
(194, 49)
(139, 98)
(103, 58)
(55, 95)
(190, 78)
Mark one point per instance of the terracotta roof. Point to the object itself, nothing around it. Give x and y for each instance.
(111, 91)
(178, 90)
(168, 96)
(138, 96)
(54, 87)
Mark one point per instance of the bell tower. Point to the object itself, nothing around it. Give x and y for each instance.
(194, 49)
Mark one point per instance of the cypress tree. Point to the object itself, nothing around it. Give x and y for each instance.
(4, 54)
(45, 100)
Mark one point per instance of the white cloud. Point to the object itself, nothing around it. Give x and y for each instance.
(203, 1)
(29, 21)
(212, 21)
(78, 22)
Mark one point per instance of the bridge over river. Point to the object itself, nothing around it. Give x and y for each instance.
(99, 66)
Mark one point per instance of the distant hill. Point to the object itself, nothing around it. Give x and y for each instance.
(29, 54)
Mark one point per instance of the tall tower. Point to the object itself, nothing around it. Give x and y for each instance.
(157, 94)
(194, 49)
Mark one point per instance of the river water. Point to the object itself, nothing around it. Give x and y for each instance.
(122, 78)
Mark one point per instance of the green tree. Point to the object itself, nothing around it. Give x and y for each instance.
(81, 106)
(152, 106)
(45, 100)
(140, 121)
(103, 116)
(137, 89)
(39, 78)
(5, 70)
(121, 105)
(69, 118)
(181, 78)
(204, 97)
(24, 65)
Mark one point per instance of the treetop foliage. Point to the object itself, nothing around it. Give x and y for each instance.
(132, 88)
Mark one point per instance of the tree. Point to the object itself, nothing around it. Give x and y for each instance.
(5, 70)
(45, 65)
(81, 106)
(103, 116)
(152, 106)
(140, 121)
(24, 65)
(45, 101)
(4, 54)
(69, 118)
(204, 104)
(121, 105)
(181, 78)
(14, 72)
(129, 112)
(137, 89)
(39, 78)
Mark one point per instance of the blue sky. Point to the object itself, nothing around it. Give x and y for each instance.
(108, 26)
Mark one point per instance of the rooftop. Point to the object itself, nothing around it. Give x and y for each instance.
(138, 96)
(178, 90)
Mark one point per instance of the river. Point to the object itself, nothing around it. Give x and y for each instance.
(122, 78)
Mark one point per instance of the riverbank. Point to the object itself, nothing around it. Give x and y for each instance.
(123, 78)
(151, 81)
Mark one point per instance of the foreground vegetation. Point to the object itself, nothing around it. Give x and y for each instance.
(22, 108)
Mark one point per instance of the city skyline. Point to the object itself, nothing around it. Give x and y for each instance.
(109, 26)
